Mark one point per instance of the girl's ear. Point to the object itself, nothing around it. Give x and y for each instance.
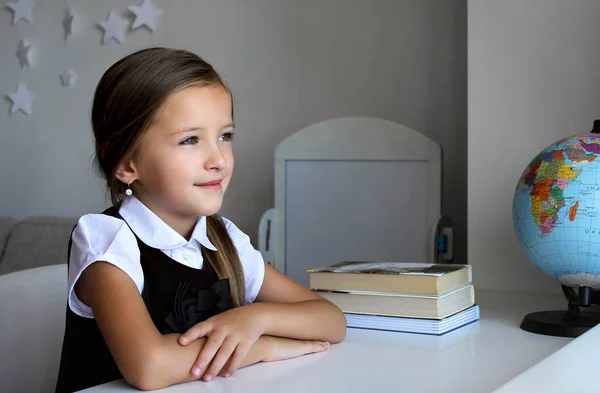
(126, 172)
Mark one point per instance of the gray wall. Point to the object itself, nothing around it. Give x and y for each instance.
(289, 63)
(533, 69)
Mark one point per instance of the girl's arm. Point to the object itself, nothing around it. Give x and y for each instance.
(293, 311)
(282, 308)
(147, 359)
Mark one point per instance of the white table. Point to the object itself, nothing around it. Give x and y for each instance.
(481, 357)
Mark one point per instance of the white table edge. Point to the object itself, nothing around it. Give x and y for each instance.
(555, 372)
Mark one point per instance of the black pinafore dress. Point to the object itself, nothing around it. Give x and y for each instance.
(176, 296)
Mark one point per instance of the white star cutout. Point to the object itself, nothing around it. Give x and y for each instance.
(68, 77)
(22, 53)
(114, 27)
(68, 24)
(22, 10)
(21, 100)
(145, 15)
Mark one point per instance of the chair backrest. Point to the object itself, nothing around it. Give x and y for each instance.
(32, 321)
(355, 188)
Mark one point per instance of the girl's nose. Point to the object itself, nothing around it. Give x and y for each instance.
(215, 161)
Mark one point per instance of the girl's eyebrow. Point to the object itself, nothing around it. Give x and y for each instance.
(188, 129)
(196, 128)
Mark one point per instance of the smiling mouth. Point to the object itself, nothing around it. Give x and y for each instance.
(211, 185)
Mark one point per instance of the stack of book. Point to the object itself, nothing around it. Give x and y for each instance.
(404, 297)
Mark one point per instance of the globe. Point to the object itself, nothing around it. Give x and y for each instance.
(556, 211)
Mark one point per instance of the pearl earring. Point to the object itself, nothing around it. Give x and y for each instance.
(128, 191)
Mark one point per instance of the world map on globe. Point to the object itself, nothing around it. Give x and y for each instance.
(556, 210)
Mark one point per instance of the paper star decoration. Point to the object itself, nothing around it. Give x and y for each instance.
(21, 100)
(114, 27)
(68, 24)
(22, 9)
(68, 77)
(22, 53)
(145, 15)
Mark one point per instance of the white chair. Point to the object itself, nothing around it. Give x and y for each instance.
(32, 321)
(355, 188)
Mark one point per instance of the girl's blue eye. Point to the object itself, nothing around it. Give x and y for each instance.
(226, 137)
(190, 141)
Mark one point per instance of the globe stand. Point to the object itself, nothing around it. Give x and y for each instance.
(569, 323)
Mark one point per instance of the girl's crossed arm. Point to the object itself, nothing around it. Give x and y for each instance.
(147, 359)
(283, 308)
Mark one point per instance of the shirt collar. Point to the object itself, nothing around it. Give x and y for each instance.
(156, 233)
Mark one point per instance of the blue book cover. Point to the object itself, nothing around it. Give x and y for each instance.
(429, 326)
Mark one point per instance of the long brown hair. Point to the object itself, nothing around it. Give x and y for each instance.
(126, 99)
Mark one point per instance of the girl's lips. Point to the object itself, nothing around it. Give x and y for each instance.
(210, 183)
(213, 185)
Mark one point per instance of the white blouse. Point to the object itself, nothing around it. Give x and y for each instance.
(99, 237)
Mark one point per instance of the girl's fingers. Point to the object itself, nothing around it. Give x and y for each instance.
(221, 358)
(209, 350)
(318, 346)
(281, 349)
(198, 330)
(238, 357)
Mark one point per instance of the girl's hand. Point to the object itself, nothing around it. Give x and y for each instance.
(230, 334)
(279, 348)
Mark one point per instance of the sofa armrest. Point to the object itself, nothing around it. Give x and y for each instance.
(6, 225)
(35, 242)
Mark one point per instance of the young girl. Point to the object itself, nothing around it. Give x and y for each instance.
(161, 289)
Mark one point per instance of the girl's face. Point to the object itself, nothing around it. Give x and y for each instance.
(185, 159)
